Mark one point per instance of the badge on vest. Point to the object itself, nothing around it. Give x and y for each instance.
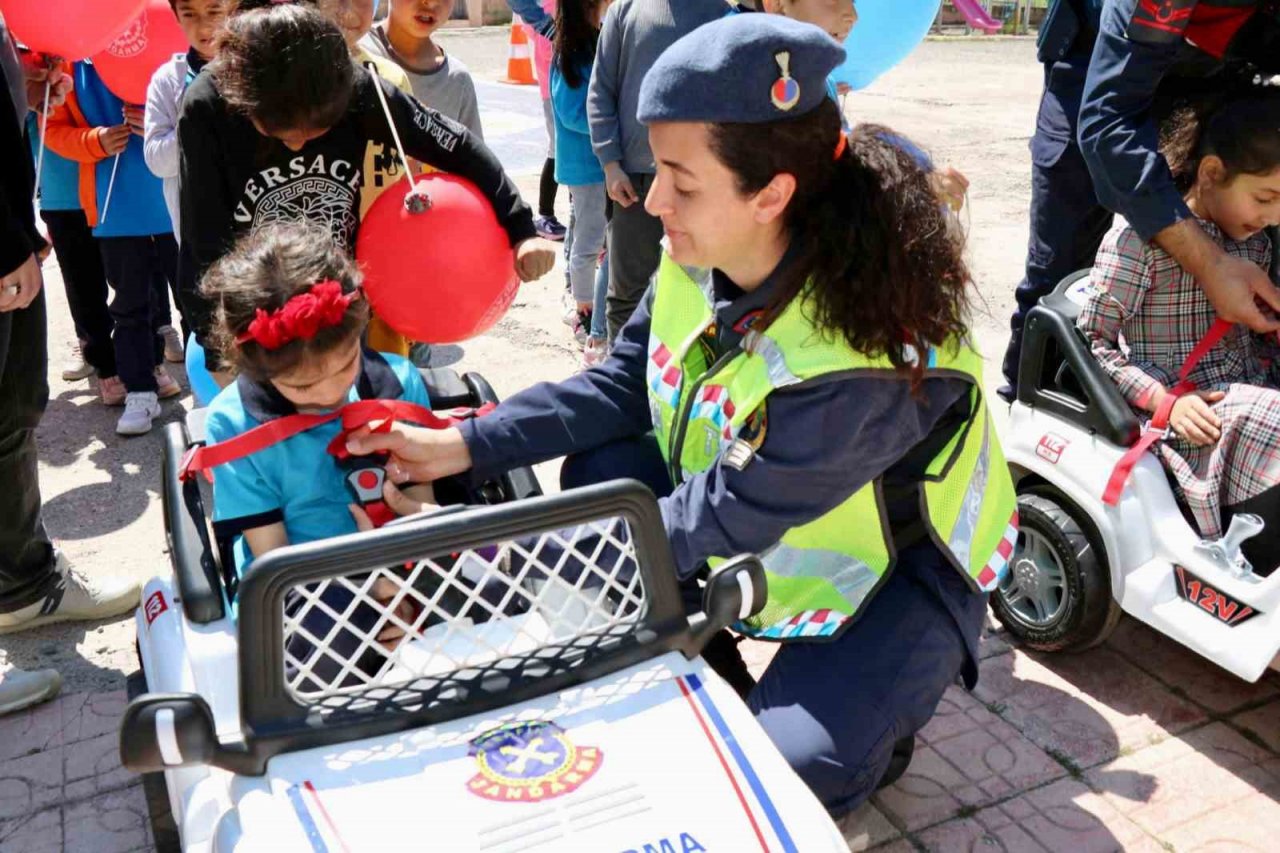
(742, 450)
(1160, 22)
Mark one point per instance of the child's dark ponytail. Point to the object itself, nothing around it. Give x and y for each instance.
(872, 235)
(1241, 127)
(286, 66)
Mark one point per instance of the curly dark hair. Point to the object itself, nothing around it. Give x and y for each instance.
(263, 271)
(873, 244)
(1240, 126)
(575, 39)
(286, 66)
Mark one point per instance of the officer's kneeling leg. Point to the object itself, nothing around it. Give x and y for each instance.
(835, 710)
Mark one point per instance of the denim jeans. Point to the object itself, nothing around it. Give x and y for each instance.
(136, 267)
(86, 284)
(588, 239)
(26, 554)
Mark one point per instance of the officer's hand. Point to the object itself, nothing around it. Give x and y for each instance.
(418, 454)
(619, 186)
(1242, 292)
(534, 259)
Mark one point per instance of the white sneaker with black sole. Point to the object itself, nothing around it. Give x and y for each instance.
(140, 409)
(75, 598)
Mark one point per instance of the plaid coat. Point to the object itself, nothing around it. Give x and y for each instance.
(1144, 316)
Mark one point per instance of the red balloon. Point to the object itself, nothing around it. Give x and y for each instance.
(72, 29)
(149, 41)
(441, 276)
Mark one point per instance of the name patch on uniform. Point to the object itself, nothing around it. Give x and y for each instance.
(1160, 22)
(530, 762)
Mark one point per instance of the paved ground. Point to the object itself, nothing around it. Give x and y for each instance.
(1136, 745)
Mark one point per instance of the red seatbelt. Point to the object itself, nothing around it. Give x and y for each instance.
(354, 415)
(1158, 428)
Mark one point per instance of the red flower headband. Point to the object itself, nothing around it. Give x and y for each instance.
(302, 317)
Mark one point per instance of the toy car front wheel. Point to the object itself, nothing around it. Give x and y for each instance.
(1056, 595)
(164, 830)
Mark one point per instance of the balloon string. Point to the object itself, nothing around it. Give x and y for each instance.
(395, 134)
(111, 185)
(44, 129)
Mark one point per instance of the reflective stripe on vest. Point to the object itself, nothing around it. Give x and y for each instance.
(820, 573)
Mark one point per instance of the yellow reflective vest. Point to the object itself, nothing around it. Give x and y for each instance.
(820, 573)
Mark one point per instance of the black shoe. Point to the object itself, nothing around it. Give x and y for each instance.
(1007, 393)
(899, 761)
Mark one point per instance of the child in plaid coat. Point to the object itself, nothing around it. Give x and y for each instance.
(1145, 314)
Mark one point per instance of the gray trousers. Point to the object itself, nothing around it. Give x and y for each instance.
(634, 250)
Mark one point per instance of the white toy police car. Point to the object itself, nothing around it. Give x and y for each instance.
(1079, 562)
(549, 695)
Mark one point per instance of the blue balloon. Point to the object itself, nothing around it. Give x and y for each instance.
(886, 32)
(203, 388)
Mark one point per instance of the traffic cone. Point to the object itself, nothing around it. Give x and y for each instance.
(519, 56)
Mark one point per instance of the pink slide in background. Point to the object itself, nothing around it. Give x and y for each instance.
(978, 17)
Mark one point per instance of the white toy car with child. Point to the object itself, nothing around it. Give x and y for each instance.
(1079, 562)
(547, 696)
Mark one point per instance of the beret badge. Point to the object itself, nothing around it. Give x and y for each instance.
(785, 91)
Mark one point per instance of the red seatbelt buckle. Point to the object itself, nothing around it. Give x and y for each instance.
(188, 467)
(365, 482)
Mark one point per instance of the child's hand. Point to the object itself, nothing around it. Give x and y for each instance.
(950, 185)
(113, 139)
(619, 186)
(384, 592)
(534, 258)
(135, 117)
(398, 501)
(1193, 418)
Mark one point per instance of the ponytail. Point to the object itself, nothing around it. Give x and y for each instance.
(875, 259)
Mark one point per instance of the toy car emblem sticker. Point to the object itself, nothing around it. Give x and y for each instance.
(1211, 600)
(530, 762)
(785, 92)
(1051, 446)
(154, 607)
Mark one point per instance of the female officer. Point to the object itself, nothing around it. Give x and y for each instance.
(796, 384)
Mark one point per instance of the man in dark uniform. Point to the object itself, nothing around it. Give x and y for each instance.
(1067, 220)
(1151, 57)
(1113, 70)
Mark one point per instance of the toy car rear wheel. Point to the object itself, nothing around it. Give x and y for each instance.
(1056, 595)
(164, 830)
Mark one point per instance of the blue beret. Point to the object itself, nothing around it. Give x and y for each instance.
(749, 68)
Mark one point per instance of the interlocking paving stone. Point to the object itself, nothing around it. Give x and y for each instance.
(1187, 672)
(1263, 723)
(965, 758)
(1089, 707)
(866, 828)
(1195, 782)
(1063, 816)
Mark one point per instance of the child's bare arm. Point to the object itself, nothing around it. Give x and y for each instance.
(266, 538)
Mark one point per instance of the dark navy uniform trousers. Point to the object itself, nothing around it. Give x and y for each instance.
(835, 709)
(1067, 221)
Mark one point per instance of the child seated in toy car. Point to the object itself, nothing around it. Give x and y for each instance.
(1145, 316)
(290, 316)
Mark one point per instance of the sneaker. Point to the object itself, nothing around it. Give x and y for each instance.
(173, 350)
(74, 598)
(581, 327)
(21, 689)
(594, 352)
(166, 385)
(549, 228)
(568, 310)
(111, 390)
(140, 409)
(77, 368)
